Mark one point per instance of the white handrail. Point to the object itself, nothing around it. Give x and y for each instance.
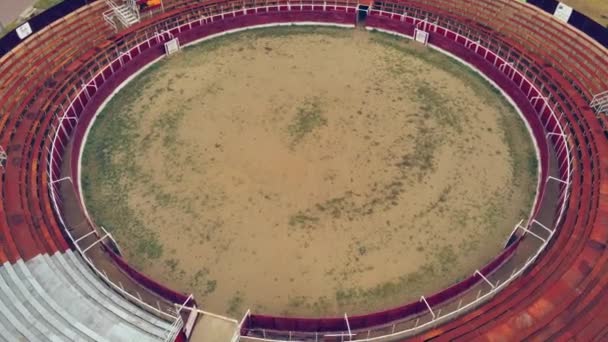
(511, 70)
(54, 198)
(507, 69)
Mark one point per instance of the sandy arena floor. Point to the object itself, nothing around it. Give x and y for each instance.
(595, 9)
(309, 171)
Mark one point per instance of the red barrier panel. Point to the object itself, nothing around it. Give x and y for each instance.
(321, 324)
(415, 308)
(163, 291)
(143, 58)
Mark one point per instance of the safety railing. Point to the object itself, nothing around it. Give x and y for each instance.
(434, 317)
(61, 133)
(69, 120)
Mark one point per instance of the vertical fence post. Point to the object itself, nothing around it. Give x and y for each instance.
(350, 335)
(428, 306)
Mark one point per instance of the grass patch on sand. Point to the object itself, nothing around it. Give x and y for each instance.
(308, 118)
(109, 160)
(181, 149)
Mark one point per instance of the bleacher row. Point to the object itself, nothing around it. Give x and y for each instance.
(38, 80)
(561, 297)
(46, 291)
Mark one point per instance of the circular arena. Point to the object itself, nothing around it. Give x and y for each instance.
(64, 276)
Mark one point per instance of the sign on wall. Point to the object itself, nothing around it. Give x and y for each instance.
(563, 12)
(24, 30)
(172, 46)
(421, 36)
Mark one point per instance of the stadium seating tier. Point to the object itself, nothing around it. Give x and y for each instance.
(563, 296)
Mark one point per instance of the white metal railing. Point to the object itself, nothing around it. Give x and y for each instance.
(237, 332)
(118, 12)
(72, 121)
(108, 16)
(197, 311)
(69, 120)
(600, 102)
(563, 155)
(115, 12)
(178, 323)
(132, 4)
(534, 94)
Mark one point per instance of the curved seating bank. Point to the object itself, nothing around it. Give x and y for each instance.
(70, 281)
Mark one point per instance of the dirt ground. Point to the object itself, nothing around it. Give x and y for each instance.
(309, 171)
(595, 9)
(11, 9)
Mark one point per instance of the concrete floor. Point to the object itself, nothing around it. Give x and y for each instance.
(10, 9)
(211, 329)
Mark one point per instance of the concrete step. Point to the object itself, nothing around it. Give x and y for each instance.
(6, 333)
(77, 279)
(65, 322)
(32, 313)
(96, 315)
(87, 320)
(13, 301)
(87, 276)
(12, 327)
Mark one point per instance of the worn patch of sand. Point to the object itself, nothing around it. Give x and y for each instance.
(308, 171)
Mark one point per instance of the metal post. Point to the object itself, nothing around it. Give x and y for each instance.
(557, 179)
(111, 238)
(237, 332)
(85, 236)
(557, 134)
(350, 336)
(516, 226)
(94, 243)
(184, 303)
(543, 226)
(428, 306)
(61, 179)
(533, 234)
(484, 278)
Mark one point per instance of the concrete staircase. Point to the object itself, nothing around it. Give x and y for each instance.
(57, 298)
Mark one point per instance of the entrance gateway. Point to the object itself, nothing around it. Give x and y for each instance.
(362, 11)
